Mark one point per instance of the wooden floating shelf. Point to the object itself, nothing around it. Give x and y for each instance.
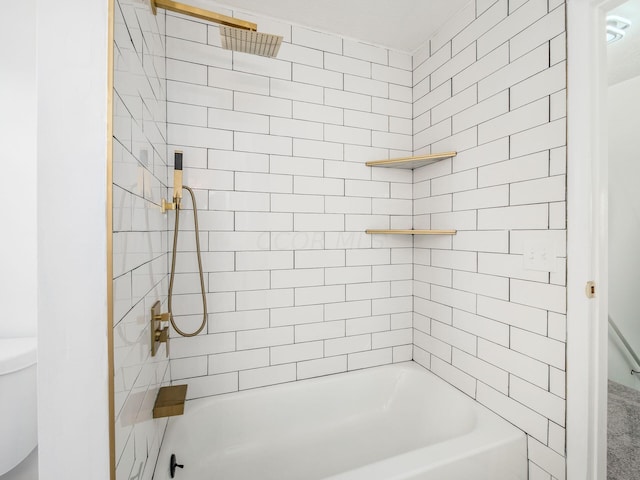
(411, 162)
(412, 232)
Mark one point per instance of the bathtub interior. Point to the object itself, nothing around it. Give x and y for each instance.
(317, 428)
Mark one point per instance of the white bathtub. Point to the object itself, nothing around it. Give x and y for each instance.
(392, 422)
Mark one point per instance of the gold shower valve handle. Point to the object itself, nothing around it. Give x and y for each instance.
(162, 336)
(162, 317)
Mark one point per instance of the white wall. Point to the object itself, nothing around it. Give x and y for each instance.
(18, 243)
(492, 86)
(624, 225)
(275, 149)
(72, 294)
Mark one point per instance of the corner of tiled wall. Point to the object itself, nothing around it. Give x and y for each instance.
(491, 85)
(140, 177)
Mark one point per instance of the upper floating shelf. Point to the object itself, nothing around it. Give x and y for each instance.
(412, 232)
(411, 162)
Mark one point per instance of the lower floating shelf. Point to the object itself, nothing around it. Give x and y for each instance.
(412, 232)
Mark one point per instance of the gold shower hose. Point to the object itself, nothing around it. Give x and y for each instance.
(173, 266)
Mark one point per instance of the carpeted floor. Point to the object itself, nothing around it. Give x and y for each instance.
(623, 433)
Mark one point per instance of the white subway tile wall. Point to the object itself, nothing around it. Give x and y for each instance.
(493, 87)
(140, 175)
(276, 150)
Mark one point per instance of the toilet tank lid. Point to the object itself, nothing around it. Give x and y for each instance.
(17, 353)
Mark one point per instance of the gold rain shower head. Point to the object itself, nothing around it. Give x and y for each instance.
(236, 35)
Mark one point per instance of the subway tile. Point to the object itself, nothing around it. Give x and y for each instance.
(352, 135)
(545, 83)
(457, 64)
(539, 347)
(185, 29)
(539, 295)
(296, 91)
(261, 377)
(263, 260)
(483, 241)
(518, 120)
(296, 353)
(454, 25)
(271, 67)
(538, 399)
(494, 377)
(485, 21)
(436, 60)
(551, 189)
(319, 331)
(433, 98)
(196, 52)
(481, 112)
(513, 362)
(336, 204)
(318, 222)
(400, 60)
(251, 142)
(342, 64)
(297, 54)
(345, 345)
(544, 137)
(320, 367)
(382, 306)
(487, 285)
(373, 121)
(234, 321)
(366, 291)
(212, 385)
(543, 456)
(317, 295)
(262, 104)
(432, 345)
(481, 69)
(454, 376)
(465, 180)
(368, 359)
(263, 182)
(518, 169)
(391, 75)
(394, 141)
(365, 51)
(538, 33)
(360, 326)
(524, 418)
(237, 161)
(265, 337)
(261, 299)
(455, 337)
(296, 203)
(454, 298)
(318, 40)
(481, 198)
(192, 136)
(238, 201)
(296, 315)
(238, 81)
(345, 275)
(514, 218)
(366, 86)
(457, 103)
(235, 281)
(238, 241)
(317, 113)
(521, 316)
(324, 258)
(234, 361)
(511, 266)
(297, 278)
(483, 327)
(295, 165)
(392, 338)
(515, 23)
(317, 149)
(346, 240)
(287, 127)
(317, 76)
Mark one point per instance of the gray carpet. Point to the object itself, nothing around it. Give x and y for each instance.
(623, 433)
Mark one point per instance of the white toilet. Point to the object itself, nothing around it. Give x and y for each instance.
(18, 415)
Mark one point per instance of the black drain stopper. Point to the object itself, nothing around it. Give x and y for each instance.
(173, 464)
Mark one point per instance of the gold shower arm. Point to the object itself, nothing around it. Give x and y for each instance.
(201, 14)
